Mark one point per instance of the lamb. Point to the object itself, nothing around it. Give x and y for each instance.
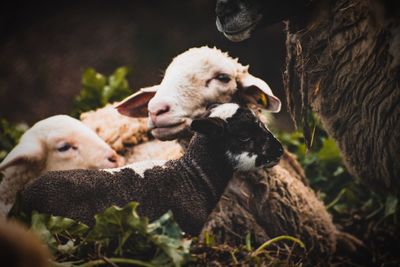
(231, 139)
(130, 137)
(266, 203)
(56, 143)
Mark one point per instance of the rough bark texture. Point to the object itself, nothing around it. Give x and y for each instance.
(345, 65)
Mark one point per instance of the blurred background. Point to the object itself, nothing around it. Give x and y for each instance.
(44, 48)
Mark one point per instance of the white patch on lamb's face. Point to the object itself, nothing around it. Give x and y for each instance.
(243, 161)
(139, 167)
(224, 111)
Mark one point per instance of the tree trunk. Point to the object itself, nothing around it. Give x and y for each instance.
(345, 65)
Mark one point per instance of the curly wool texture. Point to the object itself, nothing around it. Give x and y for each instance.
(270, 203)
(353, 84)
(117, 130)
(129, 136)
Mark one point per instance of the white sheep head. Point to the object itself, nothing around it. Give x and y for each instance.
(60, 143)
(195, 79)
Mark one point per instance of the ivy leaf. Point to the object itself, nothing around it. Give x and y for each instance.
(167, 235)
(99, 90)
(48, 227)
(9, 136)
(93, 79)
(118, 224)
(391, 205)
(329, 152)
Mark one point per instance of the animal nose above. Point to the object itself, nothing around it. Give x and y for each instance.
(224, 8)
(158, 109)
(113, 158)
(161, 110)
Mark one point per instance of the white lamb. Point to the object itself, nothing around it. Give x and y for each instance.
(56, 143)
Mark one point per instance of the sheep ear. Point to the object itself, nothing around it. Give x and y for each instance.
(136, 104)
(24, 153)
(255, 91)
(213, 127)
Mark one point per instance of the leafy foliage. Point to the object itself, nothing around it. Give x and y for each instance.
(278, 251)
(98, 90)
(373, 217)
(119, 235)
(327, 174)
(9, 136)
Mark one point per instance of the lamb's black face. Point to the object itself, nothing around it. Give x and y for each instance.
(237, 19)
(248, 143)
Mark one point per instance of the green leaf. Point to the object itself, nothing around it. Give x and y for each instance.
(99, 90)
(119, 224)
(118, 85)
(38, 226)
(114, 221)
(341, 208)
(93, 79)
(391, 205)
(118, 78)
(9, 136)
(47, 227)
(167, 235)
(118, 234)
(329, 151)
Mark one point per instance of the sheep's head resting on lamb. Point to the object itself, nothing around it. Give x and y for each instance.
(194, 80)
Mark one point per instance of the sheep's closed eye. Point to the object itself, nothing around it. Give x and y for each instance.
(65, 147)
(244, 139)
(225, 78)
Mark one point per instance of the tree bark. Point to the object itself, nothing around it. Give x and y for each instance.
(345, 65)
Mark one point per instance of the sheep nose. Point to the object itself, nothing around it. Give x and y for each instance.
(224, 8)
(158, 109)
(113, 158)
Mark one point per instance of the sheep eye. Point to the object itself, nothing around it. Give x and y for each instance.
(64, 147)
(223, 78)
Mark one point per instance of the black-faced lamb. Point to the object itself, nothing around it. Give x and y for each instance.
(230, 139)
(56, 143)
(267, 203)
